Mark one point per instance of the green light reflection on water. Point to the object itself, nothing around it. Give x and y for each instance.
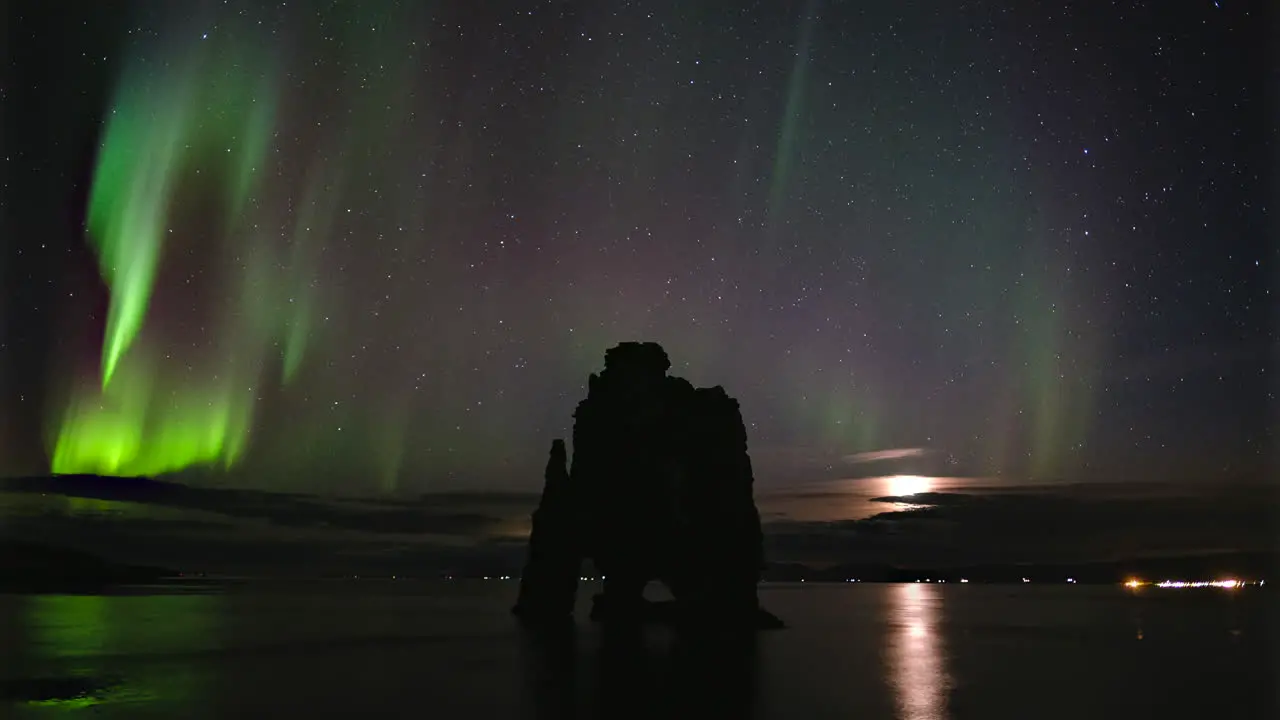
(117, 652)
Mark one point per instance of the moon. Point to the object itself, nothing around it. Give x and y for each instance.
(905, 485)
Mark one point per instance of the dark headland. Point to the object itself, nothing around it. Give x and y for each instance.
(33, 568)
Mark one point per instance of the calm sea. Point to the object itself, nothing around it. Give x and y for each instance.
(451, 650)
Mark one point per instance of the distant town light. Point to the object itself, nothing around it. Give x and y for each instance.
(1216, 583)
(1228, 584)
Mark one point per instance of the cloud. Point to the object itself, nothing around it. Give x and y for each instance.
(883, 455)
(261, 533)
(455, 514)
(237, 531)
(784, 466)
(1069, 524)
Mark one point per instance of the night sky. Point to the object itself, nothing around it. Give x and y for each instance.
(378, 246)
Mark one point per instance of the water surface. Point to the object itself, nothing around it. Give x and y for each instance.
(451, 650)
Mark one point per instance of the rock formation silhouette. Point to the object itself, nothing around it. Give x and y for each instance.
(660, 489)
(549, 583)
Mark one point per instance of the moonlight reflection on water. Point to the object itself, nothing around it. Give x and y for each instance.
(917, 660)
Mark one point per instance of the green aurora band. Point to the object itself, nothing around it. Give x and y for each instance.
(208, 116)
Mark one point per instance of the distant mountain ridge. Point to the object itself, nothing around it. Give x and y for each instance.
(28, 567)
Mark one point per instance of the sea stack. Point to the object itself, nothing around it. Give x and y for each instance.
(660, 488)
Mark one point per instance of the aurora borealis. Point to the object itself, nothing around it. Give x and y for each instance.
(378, 246)
(154, 415)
